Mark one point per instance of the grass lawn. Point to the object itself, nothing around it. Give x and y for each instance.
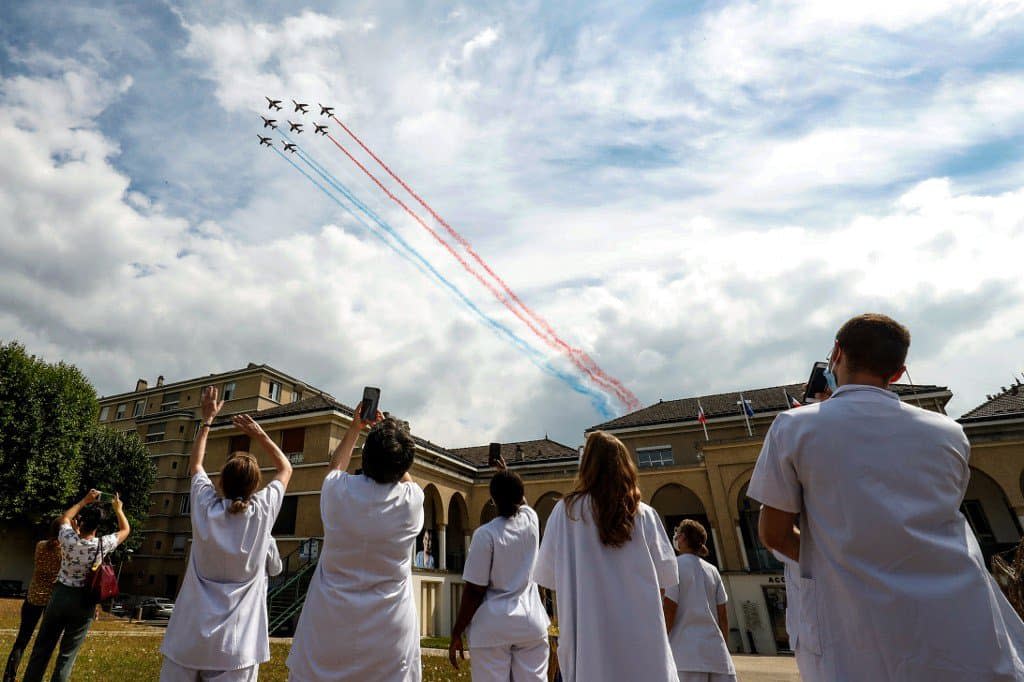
(116, 650)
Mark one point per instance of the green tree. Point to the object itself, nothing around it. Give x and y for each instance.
(46, 411)
(119, 463)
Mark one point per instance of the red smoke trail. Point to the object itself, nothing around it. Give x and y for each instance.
(578, 356)
(497, 294)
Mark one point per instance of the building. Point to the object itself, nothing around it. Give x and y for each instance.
(688, 469)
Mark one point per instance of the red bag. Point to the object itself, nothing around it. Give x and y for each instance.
(102, 581)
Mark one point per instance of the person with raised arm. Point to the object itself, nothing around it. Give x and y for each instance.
(70, 612)
(501, 605)
(359, 620)
(219, 627)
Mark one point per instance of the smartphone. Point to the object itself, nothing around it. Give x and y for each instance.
(816, 383)
(494, 454)
(99, 498)
(371, 401)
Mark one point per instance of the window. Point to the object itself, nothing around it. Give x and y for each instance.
(170, 400)
(174, 465)
(167, 503)
(238, 443)
(285, 524)
(140, 407)
(229, 391)
(977, 520)
(152, 579)
(156, 432)
(296, 395)
(121, 410)
(186, 504)
(293, 442)
(274, 391)
(104, 413)
(178, 545)
(660, 456)
(159, 544)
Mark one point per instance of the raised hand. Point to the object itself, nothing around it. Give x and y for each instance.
(210, 405)
(92, 496)
(357, 420)
(247, 425)
(116, 503)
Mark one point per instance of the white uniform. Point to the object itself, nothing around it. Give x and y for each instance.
(610, 618)
(508, 637)
(697, 642)
(359, 621)
(893, 585)
(791, 574)
(220, 616)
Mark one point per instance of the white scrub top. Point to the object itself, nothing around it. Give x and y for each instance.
(501, 558)
(610, 618)
(220, 614)
(697, 642)
(893, 585)
(359, 621)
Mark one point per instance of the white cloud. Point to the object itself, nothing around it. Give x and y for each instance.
(481, 41)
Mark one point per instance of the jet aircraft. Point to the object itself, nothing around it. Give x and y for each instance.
(300, 107)
(269, 122)
(295, 127)
(273, 103)
(320, 129)
(326, 111)
(290, 147)
(264, 140)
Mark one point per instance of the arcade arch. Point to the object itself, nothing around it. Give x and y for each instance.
(989, 515)
(675, 502)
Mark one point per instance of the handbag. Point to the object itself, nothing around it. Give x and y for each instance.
(102, 582)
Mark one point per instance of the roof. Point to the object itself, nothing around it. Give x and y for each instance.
(163, 388)
(1009, 403)
(763, 400)
(320, 403)
(515, 453)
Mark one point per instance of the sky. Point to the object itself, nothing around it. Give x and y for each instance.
(696, 195)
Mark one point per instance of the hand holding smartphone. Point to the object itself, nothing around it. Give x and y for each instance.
(370, 403)
(816, 383)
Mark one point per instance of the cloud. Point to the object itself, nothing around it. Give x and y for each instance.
(697, 198)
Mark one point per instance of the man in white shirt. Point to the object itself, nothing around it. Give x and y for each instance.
(892, 582)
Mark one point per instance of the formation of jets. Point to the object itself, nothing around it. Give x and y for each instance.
(300, 108)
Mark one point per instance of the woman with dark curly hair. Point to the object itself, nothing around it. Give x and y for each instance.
(359, 621)
(606, 555)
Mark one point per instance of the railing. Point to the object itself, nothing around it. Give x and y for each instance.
(287, 591)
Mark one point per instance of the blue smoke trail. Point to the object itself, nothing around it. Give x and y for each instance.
(597, 399)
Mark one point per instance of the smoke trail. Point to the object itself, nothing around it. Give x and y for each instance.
(598, 400)
(579, 357)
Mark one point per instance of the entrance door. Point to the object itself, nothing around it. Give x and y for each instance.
(775, 600)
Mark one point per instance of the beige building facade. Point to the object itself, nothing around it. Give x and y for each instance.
(687, 470)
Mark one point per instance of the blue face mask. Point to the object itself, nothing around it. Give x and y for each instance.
(830, 379)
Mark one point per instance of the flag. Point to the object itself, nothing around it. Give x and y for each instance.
(700, 415)
(748, 407)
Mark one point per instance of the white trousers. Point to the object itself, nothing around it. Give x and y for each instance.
(510, 663)
(690, 676)
(172, 672)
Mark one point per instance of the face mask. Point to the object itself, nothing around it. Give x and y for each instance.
(830, 379)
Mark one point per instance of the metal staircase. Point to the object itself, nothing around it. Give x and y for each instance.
(287, 593)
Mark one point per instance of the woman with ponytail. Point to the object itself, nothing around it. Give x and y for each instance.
(219, 627)
(607, 557)
(44, 575)
(701, 621)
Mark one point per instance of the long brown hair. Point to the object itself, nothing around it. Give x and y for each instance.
(239, 479)
(608, 475)
(52, 534)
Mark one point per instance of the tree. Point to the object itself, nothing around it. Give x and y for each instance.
(46, 411)
(118, 462)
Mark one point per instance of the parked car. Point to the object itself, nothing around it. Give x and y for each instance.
(156, 607)
(123, 605)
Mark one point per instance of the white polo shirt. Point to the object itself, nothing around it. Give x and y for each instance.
(893, 585)
(501, 558)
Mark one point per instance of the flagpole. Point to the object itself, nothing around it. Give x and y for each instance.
(746, 417)
(703, 422)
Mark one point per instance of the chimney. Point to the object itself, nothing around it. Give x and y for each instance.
(160, 380)
(520, 455)
(141, 385)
